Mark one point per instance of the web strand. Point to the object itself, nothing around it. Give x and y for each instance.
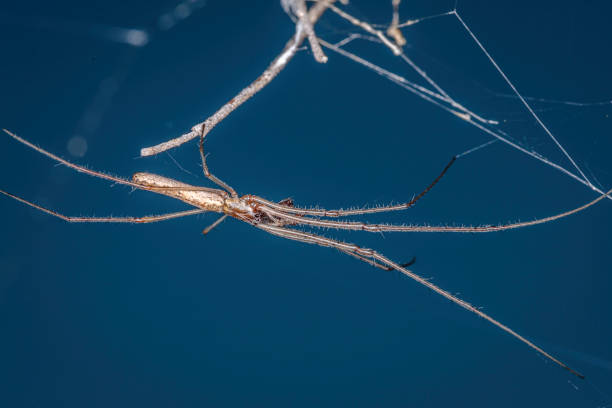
(462, 112)
(531, 111)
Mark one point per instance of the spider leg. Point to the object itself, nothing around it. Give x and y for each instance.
(276, 221)
(214, 224)
(99, 174)
(375, 256)
(405, 264)
(361, 226)
(286, 202)
(344, 213)
(73, 166)
(208, 174)
(376, 264)
(130, 220)
(432, 184)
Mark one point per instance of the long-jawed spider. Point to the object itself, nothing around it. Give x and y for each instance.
(279, 218)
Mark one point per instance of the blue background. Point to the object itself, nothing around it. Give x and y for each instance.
(158, 315)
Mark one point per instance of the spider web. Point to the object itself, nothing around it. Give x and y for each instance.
(446, 64)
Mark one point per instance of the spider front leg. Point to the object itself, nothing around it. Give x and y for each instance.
(208, 174)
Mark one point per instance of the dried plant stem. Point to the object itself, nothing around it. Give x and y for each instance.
(367, 27)
(306, 25)
(247, 93)
(393, 31)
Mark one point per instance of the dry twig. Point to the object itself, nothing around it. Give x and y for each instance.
(247, 93)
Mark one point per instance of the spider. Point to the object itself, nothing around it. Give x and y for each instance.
(279, 218)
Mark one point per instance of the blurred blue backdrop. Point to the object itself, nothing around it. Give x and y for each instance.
(158, 315)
